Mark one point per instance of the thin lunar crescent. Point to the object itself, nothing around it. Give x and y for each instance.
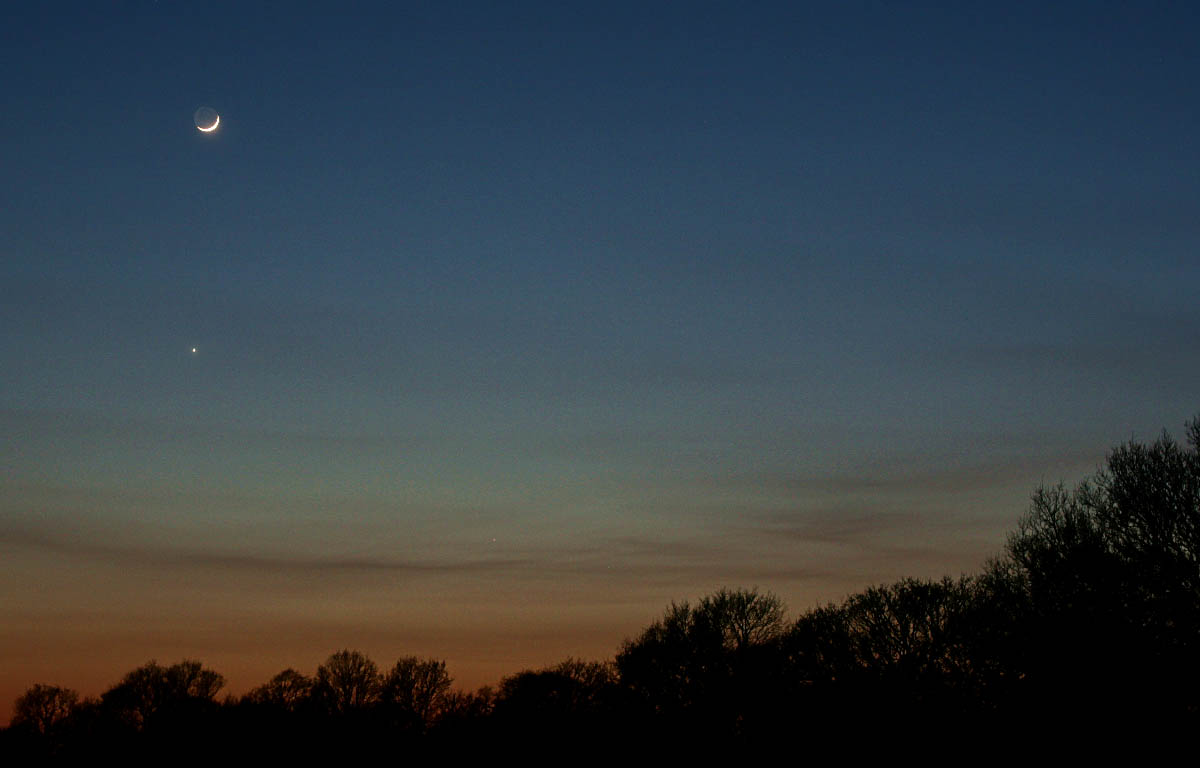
(206, 119)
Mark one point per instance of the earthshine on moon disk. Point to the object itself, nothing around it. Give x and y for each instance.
(206, 119)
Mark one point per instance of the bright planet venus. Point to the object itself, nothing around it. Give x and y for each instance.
(206, 119)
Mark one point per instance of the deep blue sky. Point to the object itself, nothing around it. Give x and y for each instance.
(513, 324)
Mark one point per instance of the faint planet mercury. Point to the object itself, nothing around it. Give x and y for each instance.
(206, 119)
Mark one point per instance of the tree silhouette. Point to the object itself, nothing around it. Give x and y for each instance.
(817, 647)
(464, 707)
(153, 692)
(347, 682)
(741, 618)
(705, 664)
(288, 691)
(43, 707)
(561, 706)
(414, 690)
(1112, 572)
(1146, 504)
(993, 632)
(190, 680)
(911, 629)
(571, 688)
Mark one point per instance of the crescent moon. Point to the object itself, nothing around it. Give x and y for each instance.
(212, 127)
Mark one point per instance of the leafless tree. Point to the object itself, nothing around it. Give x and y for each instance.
(348, 681)
(416, 687)
(42, 707)
(287, 690)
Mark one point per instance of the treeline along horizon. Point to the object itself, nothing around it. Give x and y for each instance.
(1088, 620)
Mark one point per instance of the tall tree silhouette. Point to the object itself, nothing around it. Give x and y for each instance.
(1112, 570)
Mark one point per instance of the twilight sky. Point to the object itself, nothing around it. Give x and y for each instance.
(514, 324)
